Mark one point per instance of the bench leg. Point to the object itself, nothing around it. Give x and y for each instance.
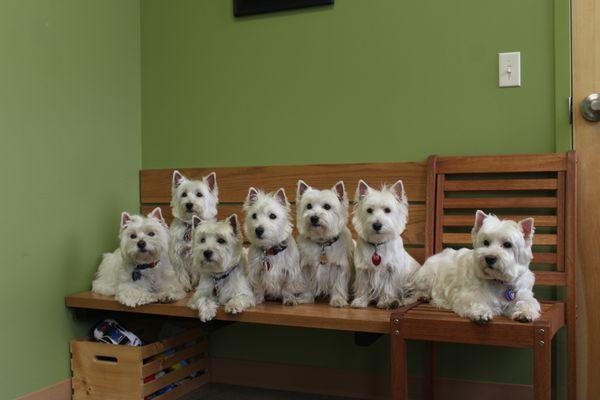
(398, 363)
(542, 373)
(432, 372)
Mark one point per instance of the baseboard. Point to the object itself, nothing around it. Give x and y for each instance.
(351, 384)
(58, 391)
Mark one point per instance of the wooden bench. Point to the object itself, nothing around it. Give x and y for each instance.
(425, 184)
(155, 190)
(542, 186)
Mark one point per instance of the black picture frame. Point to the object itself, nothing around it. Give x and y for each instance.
(242, 8)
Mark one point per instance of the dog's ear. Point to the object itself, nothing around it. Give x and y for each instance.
(157, 214)
(177, 179)
(361, 190)
(340, 190)
(251, 197)
(234, 223)
(302, 187)
(480, 216)
(398, 190)
(211, 181)
(281, 197)
(196, 220)
(528, 229)
(125, 219)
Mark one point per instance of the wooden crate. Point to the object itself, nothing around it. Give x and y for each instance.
(105, 371)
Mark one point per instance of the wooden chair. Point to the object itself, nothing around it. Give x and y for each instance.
(542, 186)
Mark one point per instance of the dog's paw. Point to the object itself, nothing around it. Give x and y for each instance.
(360, 302)
(338, 301)
(481, 320)
(389, 304)
(207, 311)
(290, 301)
(134, 297)
(526, 311)
(236, 306)
(306, 298)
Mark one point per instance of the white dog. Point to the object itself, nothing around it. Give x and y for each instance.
(189, 199)
(218, 255)
(384, 270)
(139, 272)
(325, 242)
(492, 279)
(273, 258)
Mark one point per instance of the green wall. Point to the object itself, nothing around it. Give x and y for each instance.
(361, 81)
(69, 154)
(380, 80)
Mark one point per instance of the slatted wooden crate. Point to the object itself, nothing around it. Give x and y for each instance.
(105, 371)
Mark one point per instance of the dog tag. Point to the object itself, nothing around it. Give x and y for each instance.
(510, 294)
(266, 264)
(323, 258)
(376, 259)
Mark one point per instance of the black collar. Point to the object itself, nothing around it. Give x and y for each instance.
(137, 271)
(273, 251)
(329, 242)
(224, 275)
(376, 245)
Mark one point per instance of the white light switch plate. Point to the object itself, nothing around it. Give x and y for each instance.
(509, 69)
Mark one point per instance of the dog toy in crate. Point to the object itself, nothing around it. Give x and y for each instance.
(109, 331)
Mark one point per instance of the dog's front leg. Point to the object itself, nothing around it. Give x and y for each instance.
(361, 289)
(339, 289)
(203, 300)
(525, 308)
(473, 305)
(132, 295)
(238, 303)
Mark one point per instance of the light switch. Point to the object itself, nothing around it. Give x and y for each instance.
(509, 69)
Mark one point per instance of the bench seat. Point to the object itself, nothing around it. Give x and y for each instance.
(319, 315)
(426, 322)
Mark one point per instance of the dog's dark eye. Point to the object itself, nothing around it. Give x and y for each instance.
(507, 245)
(221, 241)
(133, 236)
(150, 234)
(254, 216)
(202, 240)
(309, 206)
(370, 210)
(184, 194)
(387, 210)
(486, 243)
(326, 206)
(199, 194)
(272, 216)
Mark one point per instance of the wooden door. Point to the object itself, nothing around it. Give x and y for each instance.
(586, 140)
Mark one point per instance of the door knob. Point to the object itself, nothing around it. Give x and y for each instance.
(590, 107)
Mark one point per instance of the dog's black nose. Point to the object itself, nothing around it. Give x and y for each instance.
(377, 226)
(141, 245)
(259, 231)
(490, 260)
(189, 206)
(314, 219)
(208, 254)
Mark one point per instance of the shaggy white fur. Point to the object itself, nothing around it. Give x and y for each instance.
(325, 242)
(384, 270)
(189, 198)
(273, 258)
(493, 279)
(219, 258)
(139, 272)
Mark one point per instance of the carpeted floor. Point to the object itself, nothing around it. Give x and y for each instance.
(229, 392)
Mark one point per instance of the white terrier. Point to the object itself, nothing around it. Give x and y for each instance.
(384, 270)
(325, 242)
(189, 199)
(217, 253)
(492, 279)
(139, 272)
(273, 258)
